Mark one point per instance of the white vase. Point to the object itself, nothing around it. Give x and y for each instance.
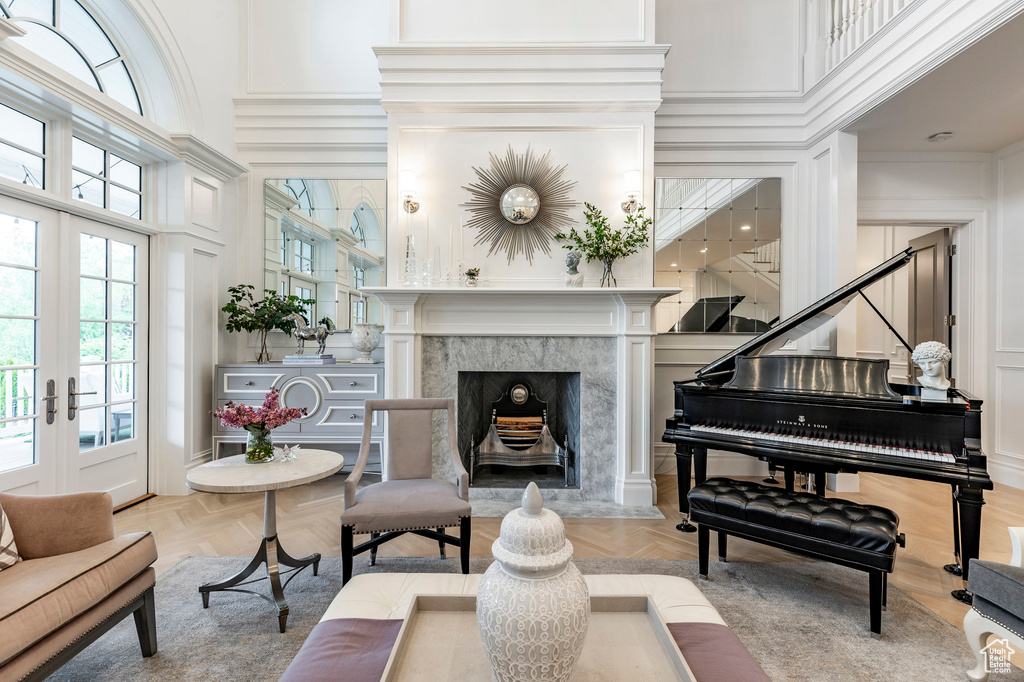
(365, 339)
(533, 606)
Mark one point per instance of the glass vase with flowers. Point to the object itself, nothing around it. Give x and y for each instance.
(259, 422)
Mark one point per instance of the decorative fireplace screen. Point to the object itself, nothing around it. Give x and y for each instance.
(518, 435)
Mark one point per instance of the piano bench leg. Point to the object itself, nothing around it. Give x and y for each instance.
(877, 581)
(723, 540)
(703, 549)
(885, 591)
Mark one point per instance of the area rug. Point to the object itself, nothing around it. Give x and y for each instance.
(569, 509)
(802, 621)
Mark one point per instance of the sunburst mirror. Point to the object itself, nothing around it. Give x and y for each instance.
(519, 204)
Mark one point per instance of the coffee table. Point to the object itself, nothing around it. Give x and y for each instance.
(235, 475)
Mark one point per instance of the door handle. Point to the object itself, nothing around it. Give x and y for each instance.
(51, 401)
(73, 398)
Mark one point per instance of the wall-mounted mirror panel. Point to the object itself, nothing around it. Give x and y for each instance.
(324, 240)
(718, 240)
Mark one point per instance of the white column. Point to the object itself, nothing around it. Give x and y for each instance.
(401, 345)
(634, 480)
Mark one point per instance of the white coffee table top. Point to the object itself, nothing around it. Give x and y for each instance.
(235, 475)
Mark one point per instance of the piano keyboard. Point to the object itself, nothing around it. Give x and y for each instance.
(903, 453)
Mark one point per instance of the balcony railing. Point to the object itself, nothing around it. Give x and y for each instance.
(850, 23)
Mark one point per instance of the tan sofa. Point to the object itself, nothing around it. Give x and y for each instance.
(76, 582)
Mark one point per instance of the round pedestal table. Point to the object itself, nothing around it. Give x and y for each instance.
(235, 475)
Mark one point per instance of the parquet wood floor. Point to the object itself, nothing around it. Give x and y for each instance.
(231, 525)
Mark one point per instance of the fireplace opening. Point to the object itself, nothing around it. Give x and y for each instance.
(517, 427)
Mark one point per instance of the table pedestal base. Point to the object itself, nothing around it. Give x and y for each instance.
(271, 554)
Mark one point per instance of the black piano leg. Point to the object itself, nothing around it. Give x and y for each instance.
(683, 460)
(771, 480)
(970, 501)
(819, 483)
(955, 568)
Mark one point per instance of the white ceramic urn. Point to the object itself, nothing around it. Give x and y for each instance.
(533, 606)
(365, 339)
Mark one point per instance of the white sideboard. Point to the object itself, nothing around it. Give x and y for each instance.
(332, 394)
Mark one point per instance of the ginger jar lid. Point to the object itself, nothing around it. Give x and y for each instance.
(532, 539)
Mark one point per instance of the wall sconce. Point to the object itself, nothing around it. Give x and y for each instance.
(634, 188)
(407, 190)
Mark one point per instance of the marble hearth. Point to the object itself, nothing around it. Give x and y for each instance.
(430, 335)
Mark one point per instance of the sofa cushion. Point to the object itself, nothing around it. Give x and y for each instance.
(39, 596)
(8, 549)
(406, 505)
(353, 649)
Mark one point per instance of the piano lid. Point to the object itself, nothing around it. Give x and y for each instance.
(814, 374)
(808, 319)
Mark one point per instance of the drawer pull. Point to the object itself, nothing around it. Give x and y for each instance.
(353, 416)
(248, 383)
(353, 383)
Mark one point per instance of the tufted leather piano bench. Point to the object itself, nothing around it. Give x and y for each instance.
(846, 533)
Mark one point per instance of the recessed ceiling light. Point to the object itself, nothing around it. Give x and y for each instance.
(940, 137)
(703, 250)
(672, 265)
(745, 227)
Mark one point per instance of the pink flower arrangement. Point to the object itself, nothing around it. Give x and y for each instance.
(268, 416)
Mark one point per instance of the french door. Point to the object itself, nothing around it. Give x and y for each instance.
(73, 354)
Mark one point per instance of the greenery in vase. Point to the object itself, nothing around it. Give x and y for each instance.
(602, 243)
(245, 313)
(473, 273)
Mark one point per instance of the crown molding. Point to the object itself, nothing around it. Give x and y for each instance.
(424, 49)
(197, 153)
(8, 29)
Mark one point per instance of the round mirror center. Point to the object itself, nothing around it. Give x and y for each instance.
(520, 204)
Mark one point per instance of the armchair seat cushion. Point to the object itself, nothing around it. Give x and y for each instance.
(406, 505)
(40, 596)
(999, 593)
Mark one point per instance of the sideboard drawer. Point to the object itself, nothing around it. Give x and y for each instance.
(342, 417)
(345, 383)
(248, 382)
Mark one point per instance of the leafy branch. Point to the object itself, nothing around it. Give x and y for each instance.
(604, 244)
(245, 313)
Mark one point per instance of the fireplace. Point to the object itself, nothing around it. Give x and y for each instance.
(517, 427)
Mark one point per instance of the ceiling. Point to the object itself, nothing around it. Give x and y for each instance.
(978, 96)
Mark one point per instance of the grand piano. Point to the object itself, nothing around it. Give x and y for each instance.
(824, 414)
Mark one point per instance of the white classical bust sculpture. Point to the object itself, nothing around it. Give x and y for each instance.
(572, 278)
(932, 357)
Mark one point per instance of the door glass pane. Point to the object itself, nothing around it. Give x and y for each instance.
(93, 255)
(122, 422)
(19, 291)
(93, 295)
(92, 342)
(122, 381)
(122, 261)
(17, 343)
(92, 385)
(122, 301)
(91, 428)
(122, 342)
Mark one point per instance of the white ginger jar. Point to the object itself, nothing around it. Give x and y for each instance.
(533, 606)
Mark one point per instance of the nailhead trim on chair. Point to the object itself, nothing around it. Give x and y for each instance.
(396, 530)
(1000, 624)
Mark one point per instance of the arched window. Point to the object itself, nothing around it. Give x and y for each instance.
(357, 228)
(298, 189)
(65, 33)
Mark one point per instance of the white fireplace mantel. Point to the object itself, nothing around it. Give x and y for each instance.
(626, 313)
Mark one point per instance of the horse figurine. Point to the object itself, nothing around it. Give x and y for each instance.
(304, 332)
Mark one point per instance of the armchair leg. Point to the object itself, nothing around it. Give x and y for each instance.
(723, 543)
(373, 551)
(440, 543)
(465, 533)
(145, 623)
(346, 554)
(977, 628)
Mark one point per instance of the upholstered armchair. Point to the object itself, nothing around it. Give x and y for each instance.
(408, 499)
(75, 581)
(998, 610)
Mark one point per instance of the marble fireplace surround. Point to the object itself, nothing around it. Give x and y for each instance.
(430, 334)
